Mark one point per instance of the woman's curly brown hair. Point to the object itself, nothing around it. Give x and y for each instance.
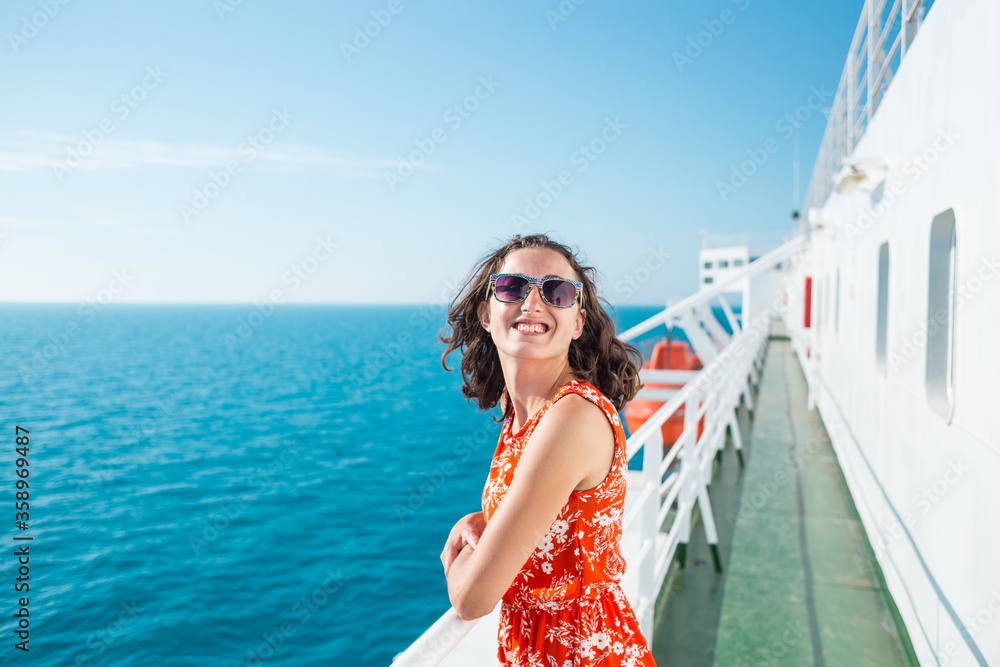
(597, 356)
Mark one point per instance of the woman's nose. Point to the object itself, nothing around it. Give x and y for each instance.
(534, 295)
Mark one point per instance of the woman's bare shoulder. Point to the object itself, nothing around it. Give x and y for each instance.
(589, 432)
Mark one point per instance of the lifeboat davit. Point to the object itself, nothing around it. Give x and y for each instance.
(667, 355)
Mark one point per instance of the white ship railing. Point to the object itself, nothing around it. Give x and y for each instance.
(885, 31)
(714, 393)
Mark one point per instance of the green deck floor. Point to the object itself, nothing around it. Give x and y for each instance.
(799, 584)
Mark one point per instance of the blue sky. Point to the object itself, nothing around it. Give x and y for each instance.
(226, 151)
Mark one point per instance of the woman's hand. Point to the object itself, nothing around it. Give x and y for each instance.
(466, 531)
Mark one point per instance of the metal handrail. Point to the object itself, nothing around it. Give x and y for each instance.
(706, 294)
(850, 112)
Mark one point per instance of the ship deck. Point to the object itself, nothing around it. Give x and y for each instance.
(800, 584)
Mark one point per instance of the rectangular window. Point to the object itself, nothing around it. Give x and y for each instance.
(708, 265)
(817, 302)
(821, 306)
(941, 315)
(723, 263)
(737, 262)
(708, 279)
(883, 307)
(836, 305)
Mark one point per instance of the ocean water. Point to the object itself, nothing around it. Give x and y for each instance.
(215, 485)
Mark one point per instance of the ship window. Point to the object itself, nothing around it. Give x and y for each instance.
(737, 262)
(821, 298)
(883, 307)
(723, 263)
(708, 265)
(836, 305)
(708, 279)
(941, 315)
(816, 303)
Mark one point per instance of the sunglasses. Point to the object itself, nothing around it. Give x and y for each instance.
(514, 288)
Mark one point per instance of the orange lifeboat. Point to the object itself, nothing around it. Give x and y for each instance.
(667, 355)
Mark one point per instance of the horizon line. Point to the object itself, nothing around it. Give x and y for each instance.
(254, 303)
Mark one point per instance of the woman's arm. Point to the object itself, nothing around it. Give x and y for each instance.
(465, 531)
(572, 441)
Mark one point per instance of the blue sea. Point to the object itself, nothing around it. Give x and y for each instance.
(220, 485)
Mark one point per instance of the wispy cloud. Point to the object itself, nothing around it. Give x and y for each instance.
(30, 151)
(31, 224)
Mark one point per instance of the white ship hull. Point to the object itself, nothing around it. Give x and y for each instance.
(924, 471)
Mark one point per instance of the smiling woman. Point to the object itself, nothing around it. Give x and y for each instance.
(546, 544)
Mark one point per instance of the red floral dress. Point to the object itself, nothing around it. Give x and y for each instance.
(565, 607)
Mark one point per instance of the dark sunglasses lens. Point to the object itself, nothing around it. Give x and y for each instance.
(559, 293)
(510, 288)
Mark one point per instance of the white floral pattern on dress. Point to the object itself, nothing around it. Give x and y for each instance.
(565, 607)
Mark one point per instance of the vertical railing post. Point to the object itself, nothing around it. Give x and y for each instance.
(688, 474)
(652, 457)
(904, 29)
(851, 103)
(711, 400)
(910, 24)
(871, 69)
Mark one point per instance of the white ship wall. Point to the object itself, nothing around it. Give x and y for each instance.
(759, 297)
(928, 491)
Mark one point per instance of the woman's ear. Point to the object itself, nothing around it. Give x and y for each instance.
(484, 315)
